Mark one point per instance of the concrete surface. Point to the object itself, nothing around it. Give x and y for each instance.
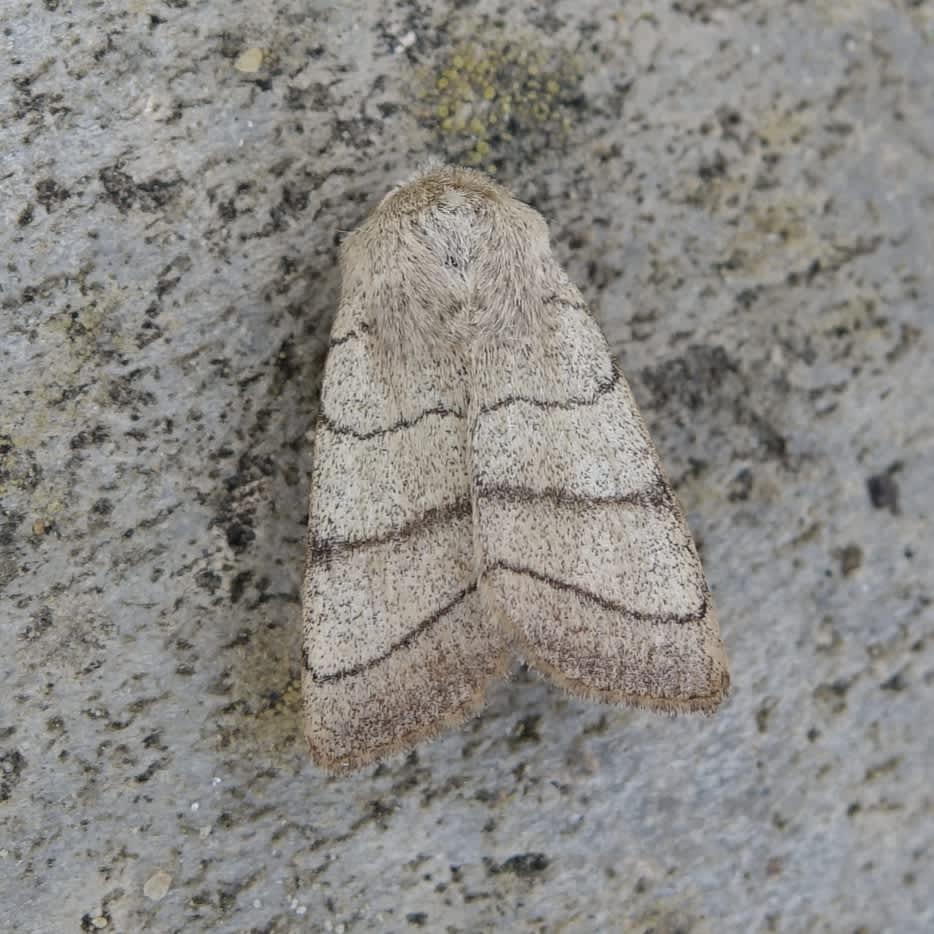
(745, 192)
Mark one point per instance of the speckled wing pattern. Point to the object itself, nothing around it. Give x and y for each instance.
(397, 641)
(483, 488)
(585, 552)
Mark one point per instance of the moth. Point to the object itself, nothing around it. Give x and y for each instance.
(483, 490)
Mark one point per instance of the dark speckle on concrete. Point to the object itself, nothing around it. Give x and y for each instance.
(742, 191)
(12, 764)
(850, 558)
(522, 865)
(883, 489)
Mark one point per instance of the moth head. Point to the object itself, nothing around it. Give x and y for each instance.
(447, 258)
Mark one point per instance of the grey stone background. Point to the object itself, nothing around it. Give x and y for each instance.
(745, 193)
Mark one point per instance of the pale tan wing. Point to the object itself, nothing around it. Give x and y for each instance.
(585, 551)
(396, 643)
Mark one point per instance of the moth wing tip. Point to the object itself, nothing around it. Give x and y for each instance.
(320, 745)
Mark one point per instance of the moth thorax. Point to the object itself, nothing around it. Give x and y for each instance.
(456, 233)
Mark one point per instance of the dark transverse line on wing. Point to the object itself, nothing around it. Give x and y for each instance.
(323, 549)
(338, 429)
(362, 329)
(657, 495)
(405, 641)
(672, 619)
(426, 624)
(603, 389)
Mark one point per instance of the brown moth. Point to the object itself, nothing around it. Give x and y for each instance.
(483, 489)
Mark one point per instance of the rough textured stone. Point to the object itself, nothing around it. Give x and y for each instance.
(744, 190)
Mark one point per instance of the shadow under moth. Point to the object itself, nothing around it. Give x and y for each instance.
(483, 489)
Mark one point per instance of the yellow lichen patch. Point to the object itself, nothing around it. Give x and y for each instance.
(249, 61)
(783, 128)
(780, 228)
(487, 96)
